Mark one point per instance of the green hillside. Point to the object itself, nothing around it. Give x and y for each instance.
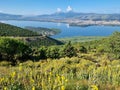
(31, 38)
(10, 30)
(40, 41)
(44, 31)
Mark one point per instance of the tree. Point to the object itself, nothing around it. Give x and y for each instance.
(42, 53)
(53, 52)
(113, 44)
(82, 49)
(69, 50)
(12, 49)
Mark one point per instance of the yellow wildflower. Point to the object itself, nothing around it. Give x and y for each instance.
(33, 88)
(66, 80)
(2, 79)
(32, 80)
(62, 88)
(20, 67)
(5, 88)
(13, 74)
(58, 79)
(62, 77)
(94, 87)
(50, 73)
(49, 79)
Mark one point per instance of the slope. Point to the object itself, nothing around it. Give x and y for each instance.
(10, 30)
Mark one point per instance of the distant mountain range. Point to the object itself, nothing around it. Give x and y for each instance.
(62, 15)
(4, 16)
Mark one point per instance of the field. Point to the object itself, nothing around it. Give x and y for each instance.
(76, 73)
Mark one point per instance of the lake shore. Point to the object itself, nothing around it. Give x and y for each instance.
(67, 30)
(77, 22)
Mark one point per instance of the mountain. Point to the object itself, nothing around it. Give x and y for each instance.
(4, 16)
(62, 15)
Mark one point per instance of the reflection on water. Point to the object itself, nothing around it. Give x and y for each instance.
(67, 25)
(58, 24)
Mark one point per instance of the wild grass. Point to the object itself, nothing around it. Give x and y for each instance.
(62, 74)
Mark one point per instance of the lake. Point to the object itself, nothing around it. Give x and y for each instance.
(69, 31)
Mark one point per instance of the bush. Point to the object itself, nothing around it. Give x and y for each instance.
(42, 52)
(69, 50)
(83, 49)
(53, 52)
(12, 50)
(113, 44)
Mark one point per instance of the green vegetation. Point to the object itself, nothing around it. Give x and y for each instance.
(12, 50)
(81, 38)
(44, 31)
(91, 65)
(10, 30)
(114, 44)
(62, 74)
(31, 38)
(40, 41)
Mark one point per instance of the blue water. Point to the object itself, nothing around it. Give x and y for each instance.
(69, 31)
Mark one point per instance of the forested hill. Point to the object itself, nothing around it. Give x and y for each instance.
(44, 31)
(40, 41)
(32, 38)
(10, 30)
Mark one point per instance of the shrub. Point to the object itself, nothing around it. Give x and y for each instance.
(53, 52)
(12, 50)
(69, 50)
(83, 49)
(113, 44)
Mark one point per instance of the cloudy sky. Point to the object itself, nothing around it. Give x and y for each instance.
(35, 7)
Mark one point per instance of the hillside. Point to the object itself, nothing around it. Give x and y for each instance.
(32, 38)
(40, 41)
(44, 31)
(10, 30)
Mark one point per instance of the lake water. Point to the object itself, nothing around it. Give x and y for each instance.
(69, 31)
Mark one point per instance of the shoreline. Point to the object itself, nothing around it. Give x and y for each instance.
(75, 22)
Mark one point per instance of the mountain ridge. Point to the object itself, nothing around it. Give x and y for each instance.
(62, 15)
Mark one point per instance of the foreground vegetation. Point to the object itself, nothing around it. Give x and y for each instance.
(62, 74)
(93, 65)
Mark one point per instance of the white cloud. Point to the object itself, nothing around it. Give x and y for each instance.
(69, 9)
(59, 10)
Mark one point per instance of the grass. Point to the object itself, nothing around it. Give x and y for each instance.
(62, 74)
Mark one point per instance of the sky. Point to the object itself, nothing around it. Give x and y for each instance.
(38, 7)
